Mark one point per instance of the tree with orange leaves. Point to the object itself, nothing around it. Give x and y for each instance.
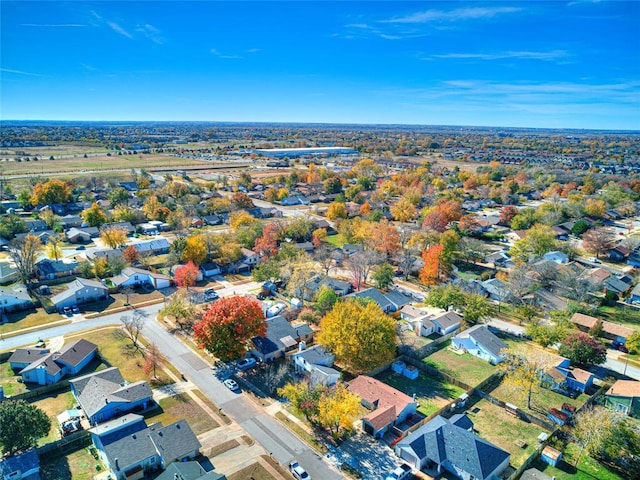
(384, 238)
(429, 274)
(187, 275)
(228, 325)
(267, 244)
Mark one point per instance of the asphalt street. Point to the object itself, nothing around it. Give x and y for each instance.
(271, 434)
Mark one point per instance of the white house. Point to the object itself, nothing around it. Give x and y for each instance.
(131, 276)
(480, 342)
(316, 363)
(80, 291)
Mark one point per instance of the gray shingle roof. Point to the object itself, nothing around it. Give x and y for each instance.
(75, 352)
(174, 441)
(22, 355)
(278, 328)
(23, 462)
(375, 295)
(96, 389)
(315, 354)
(441, 441)
(447, 319)
(482, 336)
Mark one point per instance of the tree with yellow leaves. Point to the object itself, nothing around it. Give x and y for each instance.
(336, 210)
(403, 210)
(524, 370)
(52, 248)
(240, 219)
(195, 249)
(337, 409)
(360, 334)
(114, 237)
(94, 216)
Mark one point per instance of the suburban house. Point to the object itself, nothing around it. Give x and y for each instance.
(389, 406)
(610, 330)
(25, 466)
(14, 298)
(51, 269)
(389, 302)
(108, 253)
(105, 394)
(189, 471)
(480, 342)
(316, 363)
(557, 257)
(619, 253)
(8, 273)
(249, 260)
(280, 338)
(129, 448)
(497, 289)
(46, 368)
(340, 287)
(134, 277)
(210, 269)
(126, 226)
(156, 246)
(624, 396)
(82, 234)
(563, 376)
(453, 448)
(446, 323)
(81, 290)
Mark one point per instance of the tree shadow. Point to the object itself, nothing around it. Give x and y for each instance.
(56, 468)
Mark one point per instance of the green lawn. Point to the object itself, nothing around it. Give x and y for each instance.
(464, 367)
(335, 240)
(54, 404)
(78, 465)
(495, 425)
(625, 315)
(588, 468)
(9, 380)
(544, 399)
(30, 318)
(432, 393)
(179, 407)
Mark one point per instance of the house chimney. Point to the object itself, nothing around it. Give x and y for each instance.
(302, 346)
(117, 467)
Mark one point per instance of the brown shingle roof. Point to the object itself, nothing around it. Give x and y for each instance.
(625, 388)
(584, 320)
(388, 401)
(617, 330)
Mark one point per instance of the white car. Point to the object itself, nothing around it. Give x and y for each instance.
(298, 472)
(275, 309)
(231, 384)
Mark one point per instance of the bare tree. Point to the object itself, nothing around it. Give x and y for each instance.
(524, 369)
(360, 265)
(274, 374)
(324, 256)
(573, 287)
(127, 291)
(521, 282)
(133, 326)
(24, 252)
(598, 241)
(592, 425)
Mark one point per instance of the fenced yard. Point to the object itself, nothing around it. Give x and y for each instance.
(495, 425)
(79, 465)
(431, 393)
(178, 407)
(464, 367)
(587, 469)
(541, 401)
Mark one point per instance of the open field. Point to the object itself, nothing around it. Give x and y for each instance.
(432, 393)
(179, 407)
(96, 162)
(464, 367)
(498, 427)
(588, 468)
(78, 465)
(34, 317)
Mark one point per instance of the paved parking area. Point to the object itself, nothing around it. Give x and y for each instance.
(372, 458)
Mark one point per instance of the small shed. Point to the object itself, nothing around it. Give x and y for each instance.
(551, 456)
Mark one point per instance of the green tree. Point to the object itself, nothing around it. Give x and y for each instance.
(633, 343)
(228, 325)
(21, 424)
(10, 225)
(303, 397)
(539, 240)
(326, 298)
(582, 349)
(383, 276)
(332, 185)
(476, 307)
(118, 196)
(25, 252)
(361, 336)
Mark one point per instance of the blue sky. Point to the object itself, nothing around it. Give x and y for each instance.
(573, 64)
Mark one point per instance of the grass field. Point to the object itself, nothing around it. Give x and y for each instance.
(179, 407)
(587, 469)
(9, 380)
(432, 393)
(78, 465)
(29, 318)
(54, 404)
(498, 427)
(464, 367)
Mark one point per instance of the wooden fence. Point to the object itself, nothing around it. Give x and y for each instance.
(61, 447)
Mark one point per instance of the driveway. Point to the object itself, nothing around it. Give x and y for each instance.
(372, 458)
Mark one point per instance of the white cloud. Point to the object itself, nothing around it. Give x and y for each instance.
(458, 14)
(19, 72)
(550, 56)
(118, 29)
(223, 55)
(151, 32)
(52, 25)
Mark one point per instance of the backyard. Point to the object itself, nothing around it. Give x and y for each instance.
(431, 393)
(463, 367)
(79, 465)
(182, 406)
(542, 400)
(625, 315)
(587, 469)
(34, 317)
(495, 425)
(54, 404)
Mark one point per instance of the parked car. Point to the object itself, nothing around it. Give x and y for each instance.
(298, 472)
(400, 473)
(593, 260)
(246, 363)
(275, 309)
(41, 344)
(231, 384)
(67, 311)
(81, 247)
(75, 309)
(210, 295)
